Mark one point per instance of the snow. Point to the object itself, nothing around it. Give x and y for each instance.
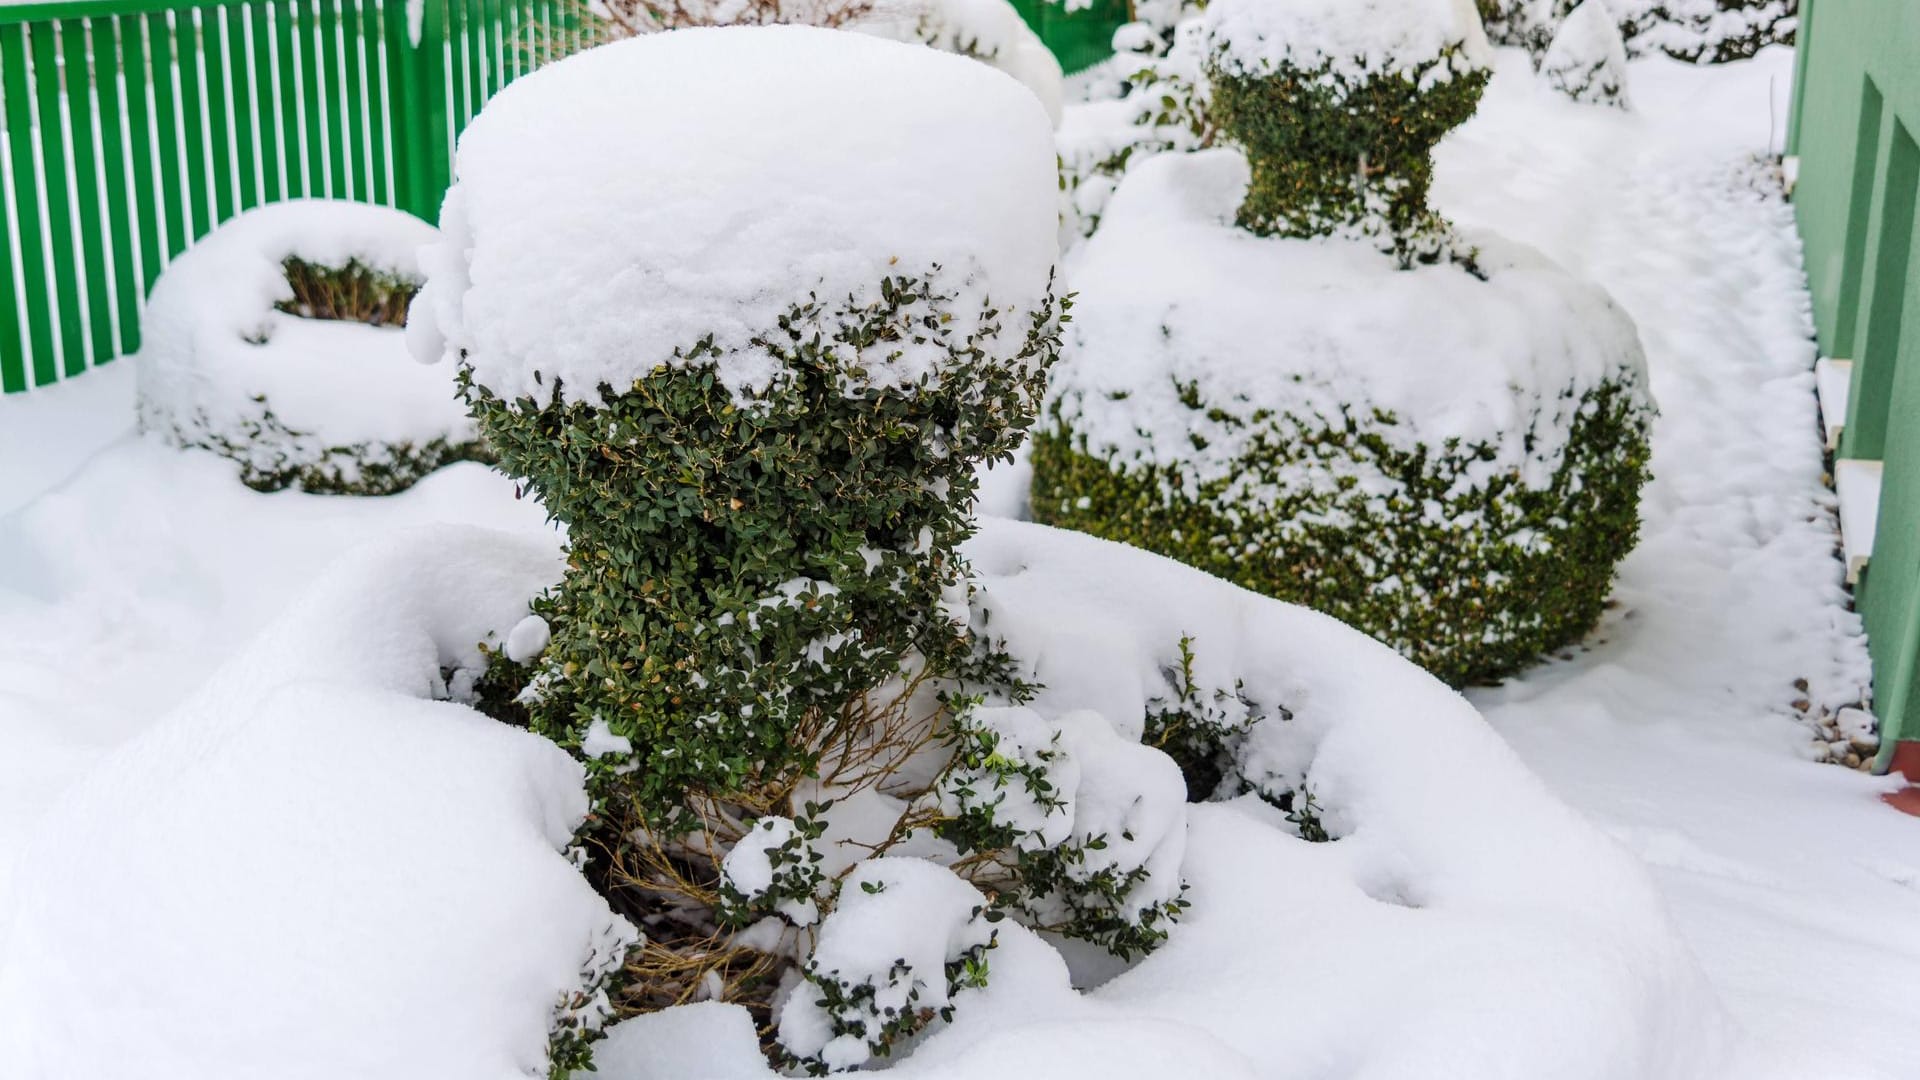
(1684, 716)
(216, 356)
(1857, 483)
(1833, 383)
(46, 435)
(1732, 910)
(991, 31)
(330, 874)
(1351, 39)
(613, 210)
(1450, 355)
(1587, 59)
(528, 639)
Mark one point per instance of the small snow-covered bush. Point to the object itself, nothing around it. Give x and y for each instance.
(1339, 105)
(1705, 31)
(1702, 31)
(1444, 452)
(1163, 109)
(1587, 60)
(754, 378)
(275, 342)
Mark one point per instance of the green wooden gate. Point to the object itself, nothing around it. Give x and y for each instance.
(133, 127)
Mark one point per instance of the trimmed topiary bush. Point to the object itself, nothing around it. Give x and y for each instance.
(754, 379)
(275, 342)
(1439, 439)
(1339, 107)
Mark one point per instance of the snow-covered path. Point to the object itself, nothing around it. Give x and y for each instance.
(1798, 889)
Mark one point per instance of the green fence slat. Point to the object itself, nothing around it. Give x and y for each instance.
(242, 85)
(312, 100)
(198, 178)
(13, 341)
(54, 164)
(260, 44)
(172, 193)
(219, 132)
(16, 95)
(76, 69)
(115, 137)
(290, 95)
(353, 99)
(327, 26)
(368, 31)
(148, 201)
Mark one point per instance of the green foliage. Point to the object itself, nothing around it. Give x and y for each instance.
(860, 1005)
(1471, 578)
(274, 457)
(1334, 153)
(740, 569)
(996, 795)
(793, 854)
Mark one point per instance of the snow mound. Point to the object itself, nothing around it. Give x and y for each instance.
(1588, 59)
(1354, 39)
(325, 403)
(1323, 327)
(311, 868)
(1463, 923)
(727, 175)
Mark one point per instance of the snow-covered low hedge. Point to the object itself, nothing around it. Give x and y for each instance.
(275, 341)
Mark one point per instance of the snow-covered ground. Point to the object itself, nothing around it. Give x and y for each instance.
(1797, 888)
(123, 588)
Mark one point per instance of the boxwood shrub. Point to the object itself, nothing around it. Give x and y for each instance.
(1497, 576)
(1345, 146)
(740, 569)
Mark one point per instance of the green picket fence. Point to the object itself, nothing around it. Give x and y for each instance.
(133, 127)
(130, 128)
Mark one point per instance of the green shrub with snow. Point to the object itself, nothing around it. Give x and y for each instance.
(275, 342)
(1339, 107)
(1697, 31)
(1162, 107)
(755, 380)
(1587, 60)
(1446, 456)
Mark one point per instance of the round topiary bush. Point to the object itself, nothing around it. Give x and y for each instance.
(275, 341)
(1446, 455)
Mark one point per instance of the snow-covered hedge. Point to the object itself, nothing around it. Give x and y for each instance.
(275, 341)
(1447, 461)
(1339, 105)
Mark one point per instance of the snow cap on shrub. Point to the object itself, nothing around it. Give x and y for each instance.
(1339, 104)
(669, 197)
